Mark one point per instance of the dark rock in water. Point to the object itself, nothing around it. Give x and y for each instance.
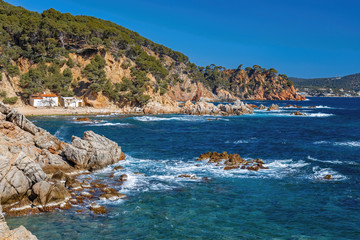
(253, 105)
(97, 209)
(83, 119)
(232, 161)
(312, 106)
(118, 168)
(187, 176)
(86, 194)
(113, 196)
(297, 113)
(122, 156)
(327, 177)
(261, 107)
(273, 107)
(123, 178)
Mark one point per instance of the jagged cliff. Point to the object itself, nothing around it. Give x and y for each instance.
(109, 65)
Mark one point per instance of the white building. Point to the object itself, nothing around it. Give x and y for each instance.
(71, 102)
(44, 100)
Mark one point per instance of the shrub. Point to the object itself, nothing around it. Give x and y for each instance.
(3, 94)
(70, 63)
(13, 70)
(10, 100)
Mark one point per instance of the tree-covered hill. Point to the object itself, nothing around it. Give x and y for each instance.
(81, 55)
(349, 82)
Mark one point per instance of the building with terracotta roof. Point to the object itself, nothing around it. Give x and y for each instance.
(44, 100)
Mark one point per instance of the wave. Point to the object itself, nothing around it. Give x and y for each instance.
(319, 115)
(104, 124)
(320, 173)
(348, 143)
(241, 141)
(284, 113)
(324, 161)
(163, 175)
(345, 143)
(188, 118)
(61, 133)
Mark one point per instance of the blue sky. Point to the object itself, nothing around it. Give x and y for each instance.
(299, 38)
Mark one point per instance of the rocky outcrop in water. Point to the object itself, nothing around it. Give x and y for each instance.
(206, 108)
(273, 107)
(232, 161)
(92, 151)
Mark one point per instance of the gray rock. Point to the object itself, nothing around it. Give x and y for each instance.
(17, 177)
(21, 121)
(49, 194)
(92, 151)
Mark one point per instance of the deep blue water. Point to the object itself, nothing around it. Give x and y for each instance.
(291, 200)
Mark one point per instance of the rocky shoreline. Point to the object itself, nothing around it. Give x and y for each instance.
(38, 171)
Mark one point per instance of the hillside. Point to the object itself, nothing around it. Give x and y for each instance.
(349, 85)
(107, 64)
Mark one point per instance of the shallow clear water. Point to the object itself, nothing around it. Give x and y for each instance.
(289, 201)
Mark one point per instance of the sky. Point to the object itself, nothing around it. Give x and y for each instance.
(307, 38)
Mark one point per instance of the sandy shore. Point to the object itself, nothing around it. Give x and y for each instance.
(32, 111)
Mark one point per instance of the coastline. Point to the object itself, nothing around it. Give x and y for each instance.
(32, 111)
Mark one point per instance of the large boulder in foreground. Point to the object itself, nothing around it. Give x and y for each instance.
(19, 233)
(92, 151)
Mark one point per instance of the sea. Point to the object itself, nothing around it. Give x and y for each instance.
(290, 200)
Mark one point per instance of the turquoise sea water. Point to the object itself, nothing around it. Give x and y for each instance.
(291, 200)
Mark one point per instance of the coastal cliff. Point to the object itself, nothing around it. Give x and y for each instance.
(110, 66)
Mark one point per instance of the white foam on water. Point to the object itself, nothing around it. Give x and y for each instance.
(319, 114)
(163, 175)
(320, 173)
(322, 142)
(104, 124)
(324, 161)
(348, 143)
(345, 143)
(61, 132)
(187, 118)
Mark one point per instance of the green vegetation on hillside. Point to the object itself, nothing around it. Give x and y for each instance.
(349, 82)
(47, 39)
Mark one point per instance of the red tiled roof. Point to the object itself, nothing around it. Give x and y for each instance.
(48, 95)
